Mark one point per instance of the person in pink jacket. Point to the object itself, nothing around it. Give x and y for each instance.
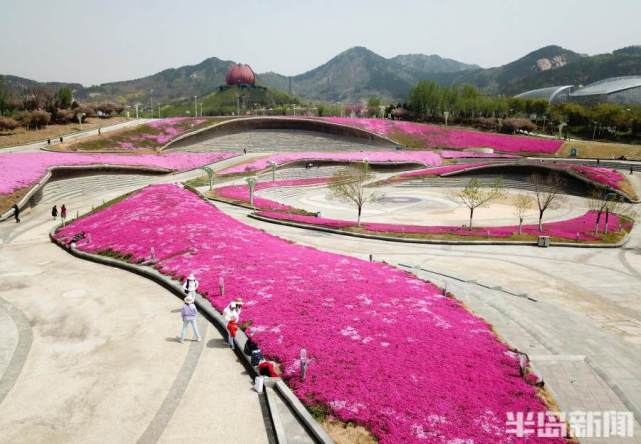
(189, 313)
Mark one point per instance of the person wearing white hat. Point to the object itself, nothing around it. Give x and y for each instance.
(189, 313)
(231, 313)
(190, 286)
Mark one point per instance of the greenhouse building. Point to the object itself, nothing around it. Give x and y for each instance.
(622, 90)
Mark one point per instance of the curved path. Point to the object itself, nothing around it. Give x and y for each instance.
(104, 365)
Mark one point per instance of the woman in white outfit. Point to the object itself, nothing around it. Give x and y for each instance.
(231, 313)
(190, 286)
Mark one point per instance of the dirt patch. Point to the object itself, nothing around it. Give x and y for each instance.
(7, 200)
(601, 150)
(21, 136)
(349, 433)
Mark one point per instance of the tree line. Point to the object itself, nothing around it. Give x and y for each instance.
(464, 104)
(38, 107)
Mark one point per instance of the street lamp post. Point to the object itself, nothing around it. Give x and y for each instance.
(195, 107)
(251, 183)
(151, 102)
(273, 165)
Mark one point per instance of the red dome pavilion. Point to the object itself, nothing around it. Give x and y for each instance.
(239, 74)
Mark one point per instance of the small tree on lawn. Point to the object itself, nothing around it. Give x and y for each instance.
(547, 190)
(522, 204)
(598, 202)
(475, 196)
(348, 184)
(617, 205)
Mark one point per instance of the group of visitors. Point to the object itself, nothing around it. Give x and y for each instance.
(63, 213)
(54, 213)
(231, 314)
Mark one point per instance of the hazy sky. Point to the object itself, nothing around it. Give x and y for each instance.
(91, 42)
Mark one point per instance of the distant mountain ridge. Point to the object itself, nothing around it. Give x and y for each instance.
(358, 73)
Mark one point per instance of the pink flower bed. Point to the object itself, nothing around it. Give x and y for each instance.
(445, 154)
(435, 136)
(388, 350)
(241, 192)
(427, 158)
(440, 170)
(580, 228)
(162, 131)
(606, 176)
(18, 170)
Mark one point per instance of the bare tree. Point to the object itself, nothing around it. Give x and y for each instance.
(475, 196)
(348, 184)
(547, 190)
(617, 205)
(598, 202)
(522, 204)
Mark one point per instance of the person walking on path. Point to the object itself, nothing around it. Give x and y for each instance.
(63, 213)
(16, 213)
(190, 286)
(231, 313)
(189, 313)
(54, 212)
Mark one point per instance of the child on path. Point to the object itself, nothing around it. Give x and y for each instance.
(54, 212)
(16, 213)
(188, 314)
(63, 213)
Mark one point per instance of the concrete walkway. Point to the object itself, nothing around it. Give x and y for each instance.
(35, 146)
(103, 364)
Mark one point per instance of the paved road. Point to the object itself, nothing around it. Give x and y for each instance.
(35, 146)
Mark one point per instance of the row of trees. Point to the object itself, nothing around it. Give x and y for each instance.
(38, 107)
(350, 184)
(432, 102)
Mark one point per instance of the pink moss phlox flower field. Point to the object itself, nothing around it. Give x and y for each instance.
(446, 154)
(388, 350)
(440, 170)
(163, 131)
(606, 176)
(18, 170)
(427, 158)
(579, 228)
(241, 192)
(434, 136)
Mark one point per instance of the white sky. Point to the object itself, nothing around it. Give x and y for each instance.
(91, 41)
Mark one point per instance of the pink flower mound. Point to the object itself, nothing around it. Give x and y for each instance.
(166, 130)
(442, 170)
(427, 158)
(472, 154)
(241, 192)
(18, 170)
(388, 351)
(580, 228)
(440, 137)
(609, 177)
